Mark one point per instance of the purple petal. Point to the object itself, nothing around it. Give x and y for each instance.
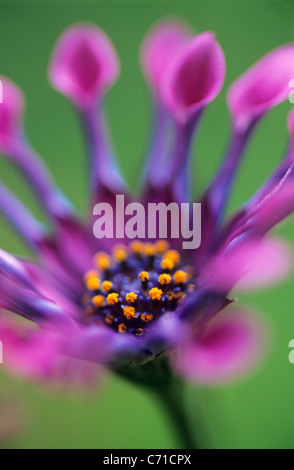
(195, 78)
(248, 264)
(84, 64)
(227, 349)
(160, 47)
(263, 86)
(11, 113)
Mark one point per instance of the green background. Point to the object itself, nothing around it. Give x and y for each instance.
(255, 413)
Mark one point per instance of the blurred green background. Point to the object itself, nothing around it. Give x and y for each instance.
(255, 413)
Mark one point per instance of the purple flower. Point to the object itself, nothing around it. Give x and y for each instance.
(132, 305)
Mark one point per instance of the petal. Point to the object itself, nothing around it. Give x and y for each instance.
(290, 122)
(11, 112)
(249, 264)
(38, 354)
(263, 86)
(195, 78)
(160, 46)
(84, 64)
(227, 349)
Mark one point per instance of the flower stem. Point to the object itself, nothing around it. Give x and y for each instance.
(170, 398)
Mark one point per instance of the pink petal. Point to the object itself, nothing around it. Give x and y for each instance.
(11, 112)
(195, 78)
(159, 49)
(28, 352)
(84, 64)
(263, 86)
(290, 122)
(37, 354)
(250, 265)
(228, 348)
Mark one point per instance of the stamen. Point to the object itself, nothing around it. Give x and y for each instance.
(92, 283)
(137, 247)
(129, 312)
(161, 246)
(131, 297)
(112, 298)
(109, 319)
(122, 328)
(164, 279)
(144, 276)
(98, 301)
(139, 332)
(146, 317)
(120, 253)
(173, 255)
(180, 277)
(102, 260)
(149, 249)
(167, 264)
(106, 286)
(155, 293)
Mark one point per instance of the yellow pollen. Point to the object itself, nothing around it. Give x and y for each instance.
(180, 277)
(173, 255)
(89, 274)
(146, 317)
(137, 246)
(120, 253)
(98, 300)
(122, 328)
(161, 246)
(131, 297)
(139, 332)
(164, 279)
(109, 319)
(102, 260)
(92, 283)
(155, 293)
(129, 312)
(167, 263)
(144, 276)
(149, 249)
(106, 286)
(112, 298)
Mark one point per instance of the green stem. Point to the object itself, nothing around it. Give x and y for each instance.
(156, 377)
(170, 398)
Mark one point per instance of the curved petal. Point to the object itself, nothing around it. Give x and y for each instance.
(263, 86)
(11, 112)
(290, 123)
(195, 78)
(249, 264)
(159, 49)
(226, 350)
(39, 355)
(84, 64)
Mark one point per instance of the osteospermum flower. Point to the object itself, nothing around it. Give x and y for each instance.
(146, 309)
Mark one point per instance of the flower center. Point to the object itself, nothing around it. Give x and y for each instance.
(138, 284)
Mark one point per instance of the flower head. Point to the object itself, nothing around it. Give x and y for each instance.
(132, 303)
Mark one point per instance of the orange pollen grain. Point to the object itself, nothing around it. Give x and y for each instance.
(144, 276)
(122, 328)
(92, 283)
(106, 286)
(167, 263)
(112, 298)
(129, 312)
(164, 279)
(98, 300)
(161, 246)
(155, 293)
(173, 255)
(180, 277)
(131, 297)
(146, 317)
